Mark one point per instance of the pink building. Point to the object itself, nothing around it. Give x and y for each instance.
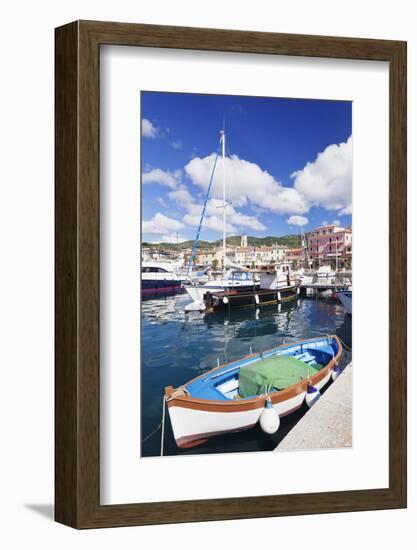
(330, 244)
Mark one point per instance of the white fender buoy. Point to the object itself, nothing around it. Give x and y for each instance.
(225, 300)
(312, 395)
(269, 419)
(279, 296)
(335, 372)
(256, 299)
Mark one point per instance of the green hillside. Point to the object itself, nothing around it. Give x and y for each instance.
(292, 241)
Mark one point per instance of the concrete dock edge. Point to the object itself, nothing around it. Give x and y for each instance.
(328, 424)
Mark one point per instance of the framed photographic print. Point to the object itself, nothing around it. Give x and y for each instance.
(218, 328)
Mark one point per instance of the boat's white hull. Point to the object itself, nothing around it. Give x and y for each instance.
(192, 426)
(346, 301)
(197, 292)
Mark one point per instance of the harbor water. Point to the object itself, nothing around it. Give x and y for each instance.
(178, 346)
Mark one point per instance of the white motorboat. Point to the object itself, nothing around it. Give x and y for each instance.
(346, 298)
(160, 278)
(236, 280)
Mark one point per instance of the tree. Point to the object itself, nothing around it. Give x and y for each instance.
(215, 264)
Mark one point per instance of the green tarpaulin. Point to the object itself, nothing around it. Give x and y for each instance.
(273, 373)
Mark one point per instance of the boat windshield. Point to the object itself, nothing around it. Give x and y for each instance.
(241, 276)
(149, 269)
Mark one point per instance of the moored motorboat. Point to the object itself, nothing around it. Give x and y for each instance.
(160, 278)
(346, 298)
(273, 288)
(249, 298)
(233, 397)
(238, 281)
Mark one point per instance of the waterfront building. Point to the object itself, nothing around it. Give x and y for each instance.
(325, 245)
(296, 257)
(330, 244)
(247, 256)
(208, 257)
(204, 258)
(279, 253)
(252, 257)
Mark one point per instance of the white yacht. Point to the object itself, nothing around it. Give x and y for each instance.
(160, 278)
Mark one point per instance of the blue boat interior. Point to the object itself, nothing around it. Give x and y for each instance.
(223, 383)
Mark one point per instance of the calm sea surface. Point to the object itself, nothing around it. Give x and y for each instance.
(177, 347)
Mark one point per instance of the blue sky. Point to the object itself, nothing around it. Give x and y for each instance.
(289, 164)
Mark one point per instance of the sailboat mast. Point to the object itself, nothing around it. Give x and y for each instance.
(224, 198)
(336, 254)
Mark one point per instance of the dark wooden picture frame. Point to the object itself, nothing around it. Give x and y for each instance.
(77, 403)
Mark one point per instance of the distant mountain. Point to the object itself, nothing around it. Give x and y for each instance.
(292, 241)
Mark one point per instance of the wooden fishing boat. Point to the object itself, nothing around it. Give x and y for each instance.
(257, 388)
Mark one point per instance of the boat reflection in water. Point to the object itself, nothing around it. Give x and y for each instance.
(177, 347)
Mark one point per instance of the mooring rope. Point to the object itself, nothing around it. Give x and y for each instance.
(163, 425)
(153, 432)
(344, 343)
(159, 425)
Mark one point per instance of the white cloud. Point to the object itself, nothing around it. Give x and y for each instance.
(161, 225)
(210, 222)
(148, 129)
(177, 144)
(215, 209)
(171, 238)
(242, 220)
(184, 198)
(213, 218)
(336, 223)
(346, 211)
(161, 201)
(327, 181)
(299, 221)
(325, 222)
(246, 183)
(169, 179)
